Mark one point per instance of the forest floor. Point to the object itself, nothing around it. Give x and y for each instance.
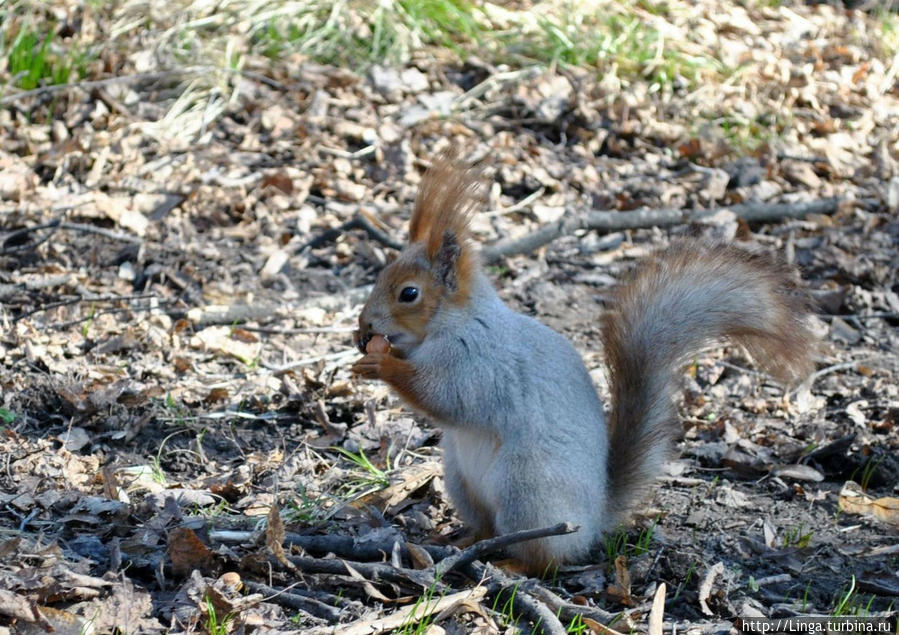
(186, 241)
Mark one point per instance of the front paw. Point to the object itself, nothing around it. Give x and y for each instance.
(371, 366)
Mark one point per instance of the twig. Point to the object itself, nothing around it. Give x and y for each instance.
(372, 571)
(81, 298)
(308, 361)
(527, 200)
(499, 585)
(108, 233)
(54, 225)
(232, 313)
(356, 222)
(886, 315)
(9, 290)
(61, 224)
(344, 154)
(341, 546)
(608, 221)
(490, 545)
(295, 601)
(274, 330)
(818, 374)
(567, 611)
(238, 313)
(139, 77)
(806, 159)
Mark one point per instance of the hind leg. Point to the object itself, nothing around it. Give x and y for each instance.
(473, 511)
(534, 497)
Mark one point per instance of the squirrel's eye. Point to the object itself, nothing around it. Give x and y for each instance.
(409, 294)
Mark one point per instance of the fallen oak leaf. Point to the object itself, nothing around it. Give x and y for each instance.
(621, 589)
(188, 552)
(274, 537)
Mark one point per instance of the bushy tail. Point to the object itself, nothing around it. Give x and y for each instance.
(684, 298)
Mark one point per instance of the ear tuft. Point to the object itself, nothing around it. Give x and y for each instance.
(446, 199)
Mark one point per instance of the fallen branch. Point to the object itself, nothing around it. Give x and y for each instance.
(490, 545)
(542, 608)
(340, 546)
(81, 298)
(100, 231)
(239, 313)
(58, 224)
(11, 236)
(8, 291)
(609, 221)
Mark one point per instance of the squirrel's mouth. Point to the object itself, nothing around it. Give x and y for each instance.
(362, 341)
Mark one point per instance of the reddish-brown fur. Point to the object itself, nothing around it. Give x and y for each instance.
(443, 208)
(399, 373)
(412, 318)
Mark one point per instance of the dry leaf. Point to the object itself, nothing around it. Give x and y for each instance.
(657, 613)
(413, 479)
(705, 587)
(219, 339)
(274, 536)
(421, 559)
(622, 587)
(855, 501)
(188, 552)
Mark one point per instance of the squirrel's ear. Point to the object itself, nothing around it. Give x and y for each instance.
(446, 199)
(446, 261)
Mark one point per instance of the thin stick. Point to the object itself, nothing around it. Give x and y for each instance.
(139, 77)
(818, 374)
(490, 545)
(308, 361)
(108, 233)
(527, 200)
(80, 298)
(61, 224)
(371, 571)
(498, 584)
(295, 601)
(54, 225)
(356, 222)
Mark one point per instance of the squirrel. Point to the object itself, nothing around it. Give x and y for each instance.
(525, 441)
